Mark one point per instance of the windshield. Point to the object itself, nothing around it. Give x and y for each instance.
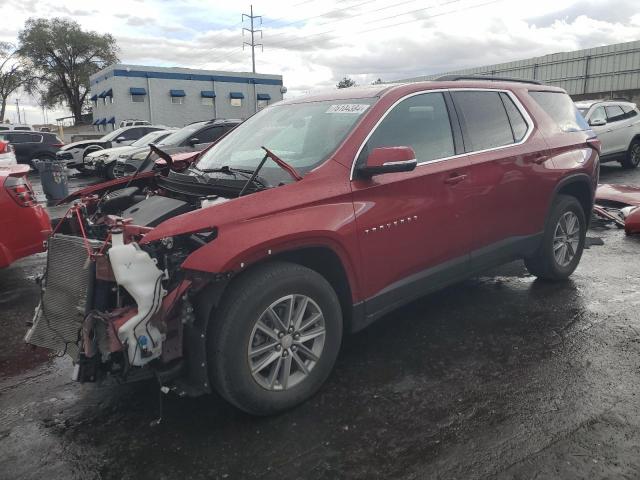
(176, 138)
(150, 138)
(301, 134)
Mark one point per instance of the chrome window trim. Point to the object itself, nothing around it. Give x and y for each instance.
(523, 111)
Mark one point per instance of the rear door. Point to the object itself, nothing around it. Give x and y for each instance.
(413, 226)
(504, 172)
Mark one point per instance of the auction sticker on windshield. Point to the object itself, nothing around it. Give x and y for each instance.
(356, 108)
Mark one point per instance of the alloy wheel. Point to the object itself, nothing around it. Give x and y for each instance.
(635, 154)
(566, 238)
(286, 342)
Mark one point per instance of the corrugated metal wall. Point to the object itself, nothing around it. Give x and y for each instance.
(594, 70)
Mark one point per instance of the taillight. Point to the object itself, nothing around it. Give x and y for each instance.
(20, 190)
(4, 147)
(59, 145)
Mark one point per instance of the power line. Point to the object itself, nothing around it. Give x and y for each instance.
(289, 41)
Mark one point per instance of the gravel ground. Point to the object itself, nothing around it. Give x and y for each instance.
(500, 376)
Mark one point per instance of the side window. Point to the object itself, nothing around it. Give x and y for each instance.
(485, 120)
(614, 113)
(18, 137)
(561, 109)
(629, 111)
(35, 138)
(420, 122)
(208, 135)
(517, 121)
(133, 134)
(598, 114)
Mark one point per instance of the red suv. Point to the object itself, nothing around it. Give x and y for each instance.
(315, 217)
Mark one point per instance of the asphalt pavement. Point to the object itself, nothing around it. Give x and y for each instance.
(501, 376)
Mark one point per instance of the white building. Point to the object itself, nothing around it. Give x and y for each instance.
(177, 96)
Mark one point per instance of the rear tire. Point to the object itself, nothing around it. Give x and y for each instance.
(632, 158)
(562, 243)
(294, 368)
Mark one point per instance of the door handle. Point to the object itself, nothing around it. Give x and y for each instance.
(455, 178)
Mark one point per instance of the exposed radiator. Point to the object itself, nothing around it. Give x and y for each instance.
(68, 282)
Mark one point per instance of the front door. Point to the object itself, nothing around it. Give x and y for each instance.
(412, 227)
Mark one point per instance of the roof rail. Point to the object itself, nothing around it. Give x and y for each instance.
(453, 78)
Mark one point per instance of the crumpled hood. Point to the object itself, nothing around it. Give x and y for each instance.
(627, 194)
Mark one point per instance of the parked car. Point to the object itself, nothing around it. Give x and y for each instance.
(617, 125)
(102, 162)
(30, 146)
(73, 154)
(313, 218)
(24, 225)
(132, 123)
(192, 138)
(7, 155)
(15, 126)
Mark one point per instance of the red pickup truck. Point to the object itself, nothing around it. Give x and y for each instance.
(313, 218)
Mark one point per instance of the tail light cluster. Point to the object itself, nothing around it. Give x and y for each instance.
(20, 190)
(5, 147)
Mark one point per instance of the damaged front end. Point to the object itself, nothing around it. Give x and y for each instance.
(117, 307)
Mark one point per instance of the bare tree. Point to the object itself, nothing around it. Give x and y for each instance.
(13, 75)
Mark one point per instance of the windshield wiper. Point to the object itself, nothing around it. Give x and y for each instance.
(230, 171)
(281, 163)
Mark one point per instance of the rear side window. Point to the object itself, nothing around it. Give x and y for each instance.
(614, 113)
(484, 118)
(629, 112)
(35, 138)
(517, 121)
(561, 109)
(420, 122)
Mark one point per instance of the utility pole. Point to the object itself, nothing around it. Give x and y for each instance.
(253, 31)
(18, 109)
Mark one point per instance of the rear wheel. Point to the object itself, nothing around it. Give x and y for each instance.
(275, 338)
(563, 241)
(632, 159)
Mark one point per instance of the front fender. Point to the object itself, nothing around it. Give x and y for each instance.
(239, 245)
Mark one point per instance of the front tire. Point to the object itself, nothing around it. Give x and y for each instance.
(275, 338)
(562, 243)
(632, 159)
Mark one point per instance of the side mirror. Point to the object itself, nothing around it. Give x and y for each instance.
(388, 160)
(597, 122)
(120, 139)
(194, 141)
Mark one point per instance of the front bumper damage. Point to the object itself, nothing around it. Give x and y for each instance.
(114, 309)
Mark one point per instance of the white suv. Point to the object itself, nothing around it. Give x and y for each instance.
(617, 125)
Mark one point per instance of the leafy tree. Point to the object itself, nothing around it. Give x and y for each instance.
(346, 82)
(377, 82)
(63, 56)
(13, 75)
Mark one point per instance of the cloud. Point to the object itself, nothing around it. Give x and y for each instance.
(314, 44)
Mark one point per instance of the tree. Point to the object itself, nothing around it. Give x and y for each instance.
(63, 56)
(346, 82)
(13, 75)
(377, 82)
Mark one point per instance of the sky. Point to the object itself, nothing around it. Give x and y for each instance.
(313, 44)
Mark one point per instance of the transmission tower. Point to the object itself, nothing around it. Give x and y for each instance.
(252, 31)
